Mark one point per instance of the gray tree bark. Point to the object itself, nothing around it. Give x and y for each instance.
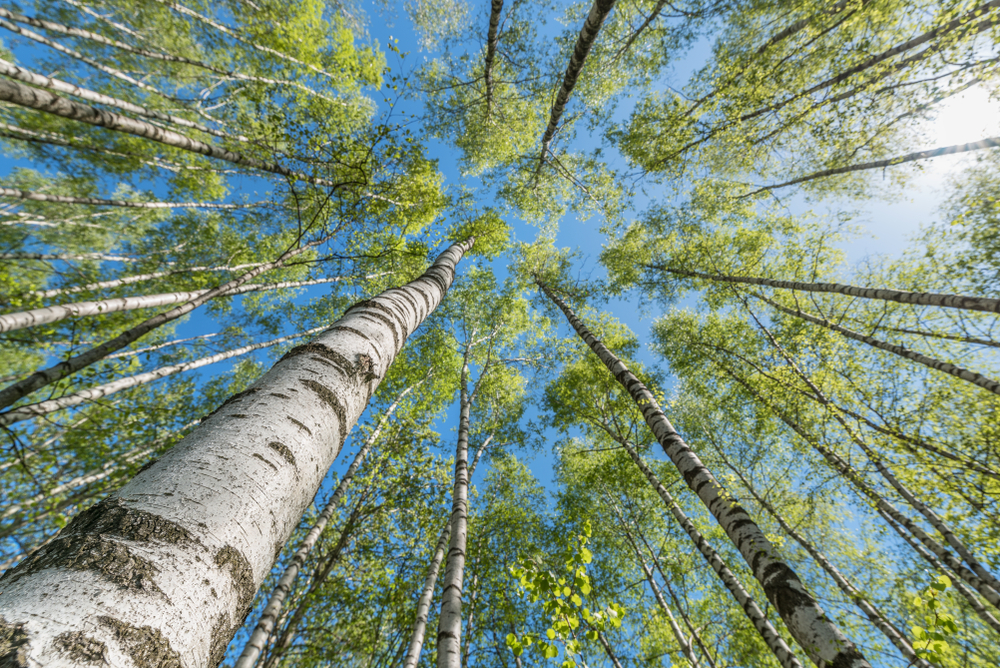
(819, 637)
(175, 557)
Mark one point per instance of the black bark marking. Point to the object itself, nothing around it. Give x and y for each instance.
(387, 321)
(145, 645)
(263, 459)
(779, 583)
(147, 465)
(80, 648)
(280, 395)
(13, 645)
(345, 328)
(300, 425)
(87, 544)
(237, 415)
(323, 354)
(846, 659)
(239, 569)
(235, 397)
(283, 450)
(331, 400)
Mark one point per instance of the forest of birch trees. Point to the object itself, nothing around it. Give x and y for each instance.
(305, 359)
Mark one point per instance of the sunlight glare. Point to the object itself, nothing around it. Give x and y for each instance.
(967, 117)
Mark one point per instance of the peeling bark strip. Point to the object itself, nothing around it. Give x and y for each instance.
(826, 645)
(901, 296)
(588, 34)
(269, 617)
(938, 365)
(190, 538)
(34, 98)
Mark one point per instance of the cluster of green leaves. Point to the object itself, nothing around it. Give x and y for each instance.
(937, 625)
(562, 597)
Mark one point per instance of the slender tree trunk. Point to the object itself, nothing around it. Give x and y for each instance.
(10, 322)
(964, 302)
(30, 411)
(958, 372)
(757, 618)
(895, 636)
(165, 344)
(988, 142)
(449, 635)
(948, 337)
(64, 256)
(21, 74)
(128, 280)
(680, 609)
(966, 593)
(217, 506)
(657, 8)
(799, 25)
(682, 642)
(430, 582)
(819, 637)
(40, 379)
(848, 472)
(96, 201)
(492, 41)
(269, 617)
(588, 34)
(609, 651)
(35, 98)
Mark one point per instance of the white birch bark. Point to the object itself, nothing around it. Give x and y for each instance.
(269, 617)
(34, 98)
(138, 278)
(449, 635)
(21, 74)
(40, 379)
(419, 629)
(492, 41)
(965, 302)
(49, 314)
(165, 344)
(881, 504)
(66, 256)
(682, 642)
(30, 411)
(165, 570)
(767, 632)
(895, 636)
(824, 642)
(97, 201)
(951, 369)
(588, 35)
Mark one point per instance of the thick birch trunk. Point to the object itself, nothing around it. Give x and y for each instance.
(96, 201)
(883, 506)
(49, 314)
(34, 98)
(895, 636)
(30, 411)
(930, 362)
(802, 614)
(419, 630)
(175, 557)
(449, 635)
(492, 40)
(767, 632)
(269, 617)
(40, 379)
(901, 296)
(588, 34)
